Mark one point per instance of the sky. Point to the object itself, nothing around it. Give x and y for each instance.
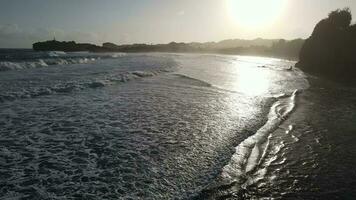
(23, 22)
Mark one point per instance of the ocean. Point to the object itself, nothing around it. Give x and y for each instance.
(171, 126)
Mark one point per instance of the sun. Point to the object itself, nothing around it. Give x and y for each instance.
(255, 14)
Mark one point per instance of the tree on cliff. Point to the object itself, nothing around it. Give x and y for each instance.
(340, 18)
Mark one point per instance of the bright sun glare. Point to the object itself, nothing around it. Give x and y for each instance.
(255, 14)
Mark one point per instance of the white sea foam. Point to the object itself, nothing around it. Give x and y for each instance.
(67, 87)
(56, 53)
(251, 152)
(120, 54)
(7, 65)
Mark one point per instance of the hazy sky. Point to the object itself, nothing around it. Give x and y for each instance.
(23, 22)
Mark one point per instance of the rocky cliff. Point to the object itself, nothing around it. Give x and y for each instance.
(331, 49)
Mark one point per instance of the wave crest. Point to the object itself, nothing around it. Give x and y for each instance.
(73, 86)
(7, 65)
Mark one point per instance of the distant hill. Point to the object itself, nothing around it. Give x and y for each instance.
(331, 49)
(224, 44)
(259, 46)
(232, 43)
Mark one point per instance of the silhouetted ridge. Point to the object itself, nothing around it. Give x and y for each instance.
(259, 47)
(331, 49)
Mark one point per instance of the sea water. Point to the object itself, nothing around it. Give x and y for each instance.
(171, 126)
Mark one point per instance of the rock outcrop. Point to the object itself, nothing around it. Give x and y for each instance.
(54, 45)
(331, 49)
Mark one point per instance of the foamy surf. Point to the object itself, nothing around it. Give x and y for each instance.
(52, 58)
(77, 85)
(161, 137)
(248, 165)
(7, 65)
(250, 152)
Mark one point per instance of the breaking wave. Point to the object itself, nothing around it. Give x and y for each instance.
(56, 53)
(71, 86)
(45, 59)
(7, 65)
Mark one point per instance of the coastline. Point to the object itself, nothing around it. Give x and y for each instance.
(258, 47)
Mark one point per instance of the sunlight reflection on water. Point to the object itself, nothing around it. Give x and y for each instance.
(248, 75)
(251, 80)
(254, 75)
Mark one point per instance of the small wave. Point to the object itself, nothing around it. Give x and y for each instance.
(56, 53)
(196, 81)
(245, 168)
(116, 55)
(143, 73)
(54, 58)
(7, 65)
(73, 86)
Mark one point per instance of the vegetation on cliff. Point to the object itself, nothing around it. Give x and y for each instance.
(331, 49)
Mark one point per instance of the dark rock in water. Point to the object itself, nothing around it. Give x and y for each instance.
(4, 68)
(64, 89)
(331, 49)
(96, 84)
(142, 74)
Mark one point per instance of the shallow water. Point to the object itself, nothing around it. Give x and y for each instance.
(163, 126)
